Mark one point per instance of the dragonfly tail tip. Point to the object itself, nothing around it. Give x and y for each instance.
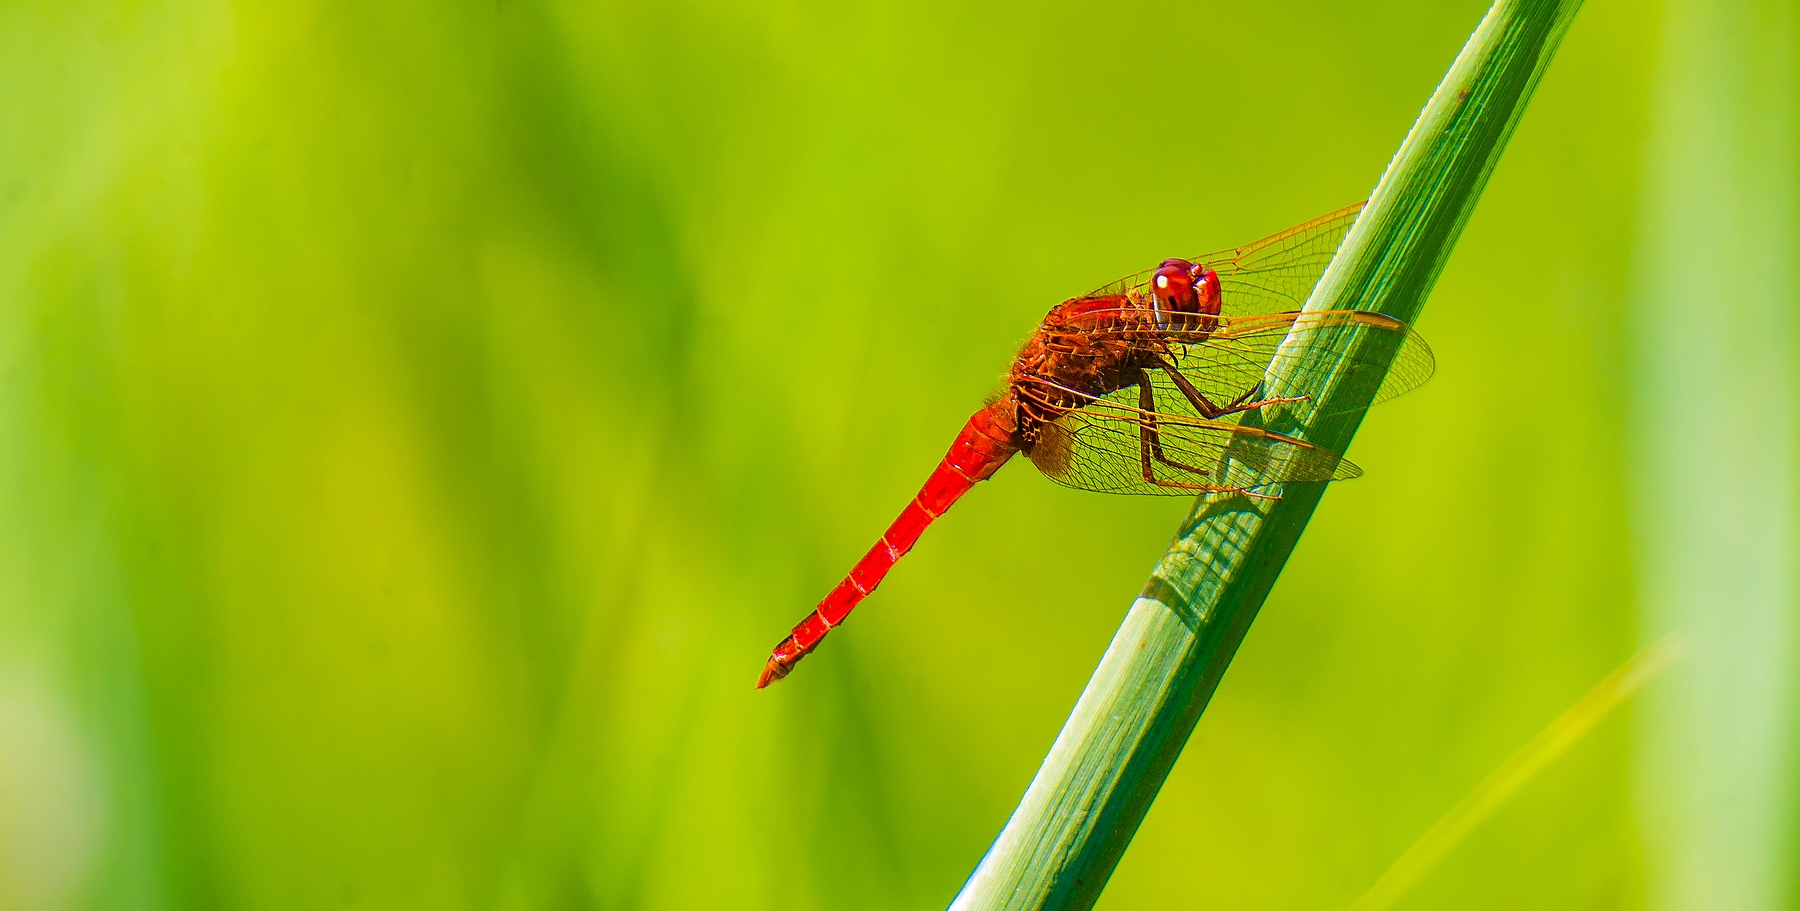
(771, 672)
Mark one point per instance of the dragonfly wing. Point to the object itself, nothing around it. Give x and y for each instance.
(1112, 447)
(1270, 275)
(1232, 359)
(1228, 361)
(1279, 272)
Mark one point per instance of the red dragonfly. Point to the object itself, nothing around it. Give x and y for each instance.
(1144, 386)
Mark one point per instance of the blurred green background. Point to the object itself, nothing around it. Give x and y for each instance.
(417, 421)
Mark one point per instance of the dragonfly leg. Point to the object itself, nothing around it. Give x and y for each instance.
(1151, 451)
(1210, 411)
(1249, 394)
(1149, 441)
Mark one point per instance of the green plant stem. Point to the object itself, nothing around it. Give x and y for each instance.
(1130, 724)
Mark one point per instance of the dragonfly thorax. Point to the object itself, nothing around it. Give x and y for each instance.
(1085, 348)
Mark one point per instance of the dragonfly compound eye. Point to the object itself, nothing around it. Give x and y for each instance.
(1208, 296)
(1173, 286)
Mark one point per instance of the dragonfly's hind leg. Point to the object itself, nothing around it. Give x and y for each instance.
(1212, 412)
(1151, 451)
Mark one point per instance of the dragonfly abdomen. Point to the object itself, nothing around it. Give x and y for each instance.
(986, 442)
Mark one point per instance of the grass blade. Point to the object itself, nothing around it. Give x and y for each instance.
(1520, 768)
(1118, 745)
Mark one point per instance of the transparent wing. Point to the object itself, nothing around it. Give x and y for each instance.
(1110, 447)
(1225, 364)
(1270, 275)
(1232, 360)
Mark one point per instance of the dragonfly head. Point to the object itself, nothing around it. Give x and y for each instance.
(1184, 291)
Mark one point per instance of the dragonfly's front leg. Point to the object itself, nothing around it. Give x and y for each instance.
(1249, 394)
(1212, 412)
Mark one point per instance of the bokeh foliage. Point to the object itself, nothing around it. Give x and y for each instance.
(418, 420)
